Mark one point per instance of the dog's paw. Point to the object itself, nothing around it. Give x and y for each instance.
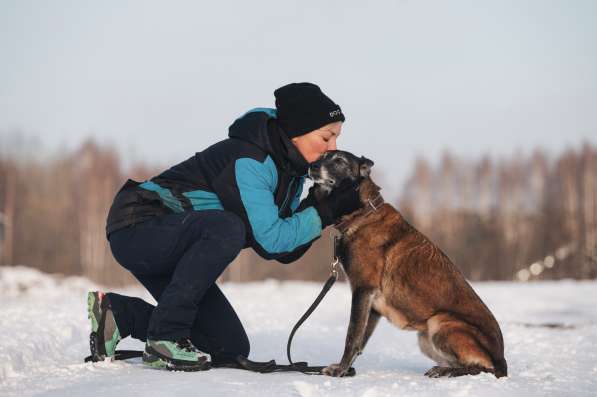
(334, 370)
(451, 372)
(438, 372)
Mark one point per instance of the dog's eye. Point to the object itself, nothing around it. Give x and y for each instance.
(339, 160)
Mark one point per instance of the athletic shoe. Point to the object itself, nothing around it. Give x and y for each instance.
(181, 355)
(104, 333)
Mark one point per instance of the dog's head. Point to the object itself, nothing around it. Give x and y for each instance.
(335, 166)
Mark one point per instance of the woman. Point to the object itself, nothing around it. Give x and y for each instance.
(177, 232)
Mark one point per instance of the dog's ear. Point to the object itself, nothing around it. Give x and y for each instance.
(365, 166)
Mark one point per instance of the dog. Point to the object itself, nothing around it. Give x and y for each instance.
(396, 272)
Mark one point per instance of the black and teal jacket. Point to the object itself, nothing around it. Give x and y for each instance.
(257, 173)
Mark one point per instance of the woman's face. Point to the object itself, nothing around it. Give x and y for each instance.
(314, 144)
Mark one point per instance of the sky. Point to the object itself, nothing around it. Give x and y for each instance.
(162, 80)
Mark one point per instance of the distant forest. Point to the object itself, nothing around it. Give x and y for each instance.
(526, 217)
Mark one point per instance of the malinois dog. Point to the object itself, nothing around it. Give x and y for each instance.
(396, 272)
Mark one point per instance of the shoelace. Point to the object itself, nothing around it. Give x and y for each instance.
(187, 345)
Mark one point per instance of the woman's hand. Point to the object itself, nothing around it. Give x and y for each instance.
(343, 200)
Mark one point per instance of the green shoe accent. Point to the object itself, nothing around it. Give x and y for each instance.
(110, 343)
(93, 310)
(104, 330)
(176, 356)
(173, 350)
(154, 361)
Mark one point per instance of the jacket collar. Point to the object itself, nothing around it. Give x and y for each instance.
(260, 127)
(296, 164)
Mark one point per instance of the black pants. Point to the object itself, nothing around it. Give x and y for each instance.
(178, 258)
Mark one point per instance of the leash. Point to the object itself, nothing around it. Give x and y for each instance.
(302, 366)
(242, 362)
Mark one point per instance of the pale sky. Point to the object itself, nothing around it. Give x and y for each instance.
(162, 80)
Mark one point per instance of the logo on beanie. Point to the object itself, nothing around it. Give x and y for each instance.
(335, 113)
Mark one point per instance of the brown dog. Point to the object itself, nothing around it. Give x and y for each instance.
(396, 272)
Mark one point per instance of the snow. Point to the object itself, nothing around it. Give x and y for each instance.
(44, 335)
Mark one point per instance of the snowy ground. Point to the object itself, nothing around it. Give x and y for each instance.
(44, 334)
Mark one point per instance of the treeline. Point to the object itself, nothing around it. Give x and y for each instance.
(495, 219)
(524, 217)
(53, 213)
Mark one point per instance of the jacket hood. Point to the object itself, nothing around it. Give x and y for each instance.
(260, 127)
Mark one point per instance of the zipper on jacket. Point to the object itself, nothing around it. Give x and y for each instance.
(289, 193)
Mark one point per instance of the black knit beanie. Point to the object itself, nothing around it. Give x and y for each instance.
(303, 107)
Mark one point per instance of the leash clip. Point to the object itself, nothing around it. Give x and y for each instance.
(334, 267)
(335, 259)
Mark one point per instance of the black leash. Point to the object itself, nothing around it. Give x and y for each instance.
(118, 355)
(328, 284)
(302, 366)
(242, 362)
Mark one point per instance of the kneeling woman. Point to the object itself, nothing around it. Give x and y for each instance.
(177, 232)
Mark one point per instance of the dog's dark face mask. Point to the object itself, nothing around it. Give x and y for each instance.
(336, 166)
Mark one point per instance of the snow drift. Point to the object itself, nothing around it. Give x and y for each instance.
(549, 330)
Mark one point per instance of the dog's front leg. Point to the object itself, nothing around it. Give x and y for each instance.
(371, 324)
(359, 316)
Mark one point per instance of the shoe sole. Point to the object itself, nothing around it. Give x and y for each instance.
(159, 362)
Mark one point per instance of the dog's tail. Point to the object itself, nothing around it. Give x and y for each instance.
(500, 368)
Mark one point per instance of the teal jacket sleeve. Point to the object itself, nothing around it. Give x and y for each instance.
(257, 183)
